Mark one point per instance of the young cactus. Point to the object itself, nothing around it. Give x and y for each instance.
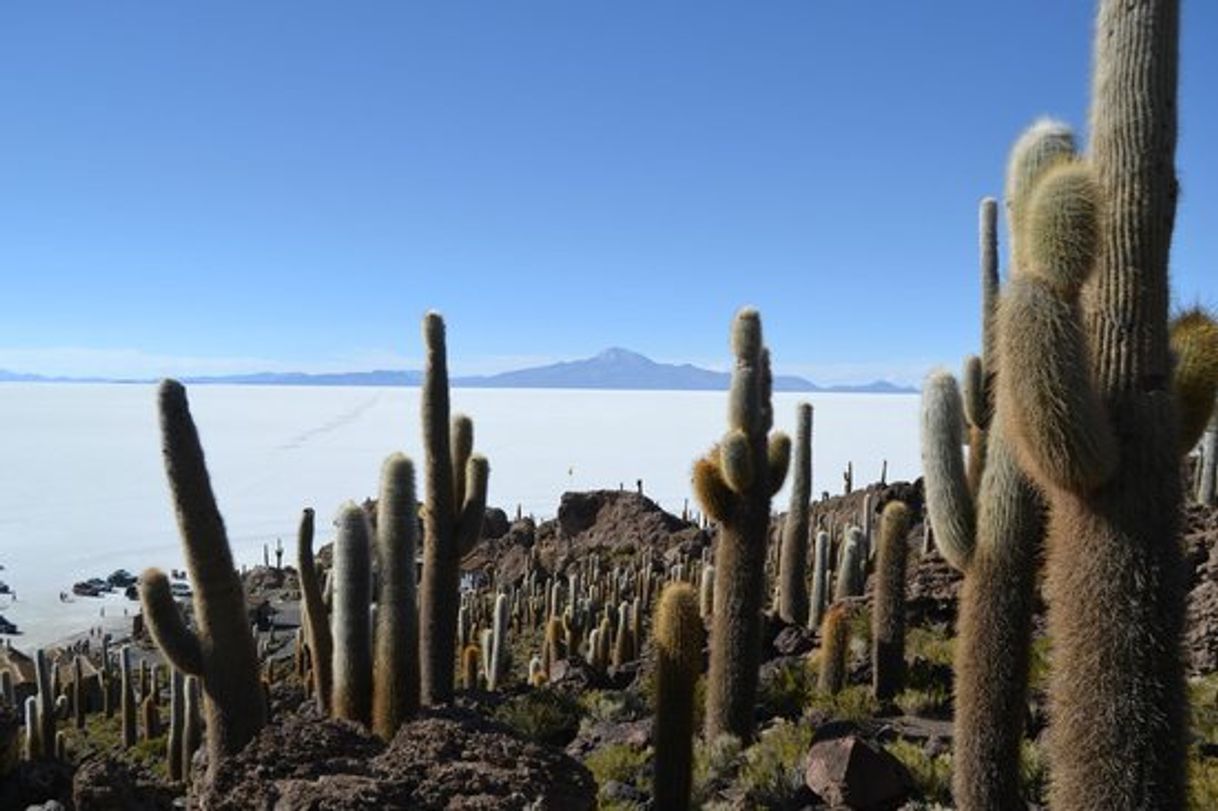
(221, 651)
(793, 562)
(395, 690)
(888, 610)
(678, 642)
(1098, 426)
(456, 481)
(735, 483)
(351, 623)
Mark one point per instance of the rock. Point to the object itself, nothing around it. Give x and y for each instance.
(848, 771)
(793, 640)
(574, 676)
(103, 783)
(622, 794)
(445, 759)
(599, 734)
(494, 523)
(34, 783)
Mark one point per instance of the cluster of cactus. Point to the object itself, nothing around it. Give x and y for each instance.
(734, 483)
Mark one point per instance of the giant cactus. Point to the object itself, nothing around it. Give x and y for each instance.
(735, 483)
(994, 537)
(395, 691)
(221, 651)
(1099, 426)
(456, 502)
(351, 623)
(793, 562)
(678, 642)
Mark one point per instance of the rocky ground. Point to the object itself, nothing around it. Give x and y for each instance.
(582, 740)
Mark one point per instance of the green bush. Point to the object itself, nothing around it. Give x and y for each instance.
(774, 767)
(542, 716)
(785, 691)
(931, 775)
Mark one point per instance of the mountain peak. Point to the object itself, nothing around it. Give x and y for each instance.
(616, 354)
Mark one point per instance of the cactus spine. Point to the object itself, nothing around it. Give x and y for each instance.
(352, 628)
(456, 502)
(395, 691)
(221, 652)
(793, 562)
(735, 483)
(316, 617)
(678, 641)
(888, 609)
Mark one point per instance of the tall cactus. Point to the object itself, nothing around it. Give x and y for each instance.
(678, 642)
(994, 536)
(174, 746)
(395, 692)
(316, 617)
(351, 624)
(46, 705)
(820, 580)
(498, 656)
(1090, 298)
(793, 562)
(735, 483)
(127, 697)
(888, 611)
(221, 652)
(456, 502)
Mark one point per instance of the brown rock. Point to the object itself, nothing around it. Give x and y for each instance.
(850, 773)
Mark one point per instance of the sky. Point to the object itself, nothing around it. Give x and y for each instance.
(235, 187)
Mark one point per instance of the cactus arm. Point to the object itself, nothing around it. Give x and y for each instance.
(462, 446)
(473, 511)
(1194, 345)
(976, 410)
(778, 456)
(736, 461)
(710, 489)
(744, 398)
(317, 621)
(948, 501)
(176, 641)
(988, 234)
(1060, 430)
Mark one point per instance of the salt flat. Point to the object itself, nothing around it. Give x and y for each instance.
(82, 490)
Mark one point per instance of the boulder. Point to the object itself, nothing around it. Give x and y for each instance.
(848, 772)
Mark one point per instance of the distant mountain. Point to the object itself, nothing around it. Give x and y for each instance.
(619, 369)
(614, 368)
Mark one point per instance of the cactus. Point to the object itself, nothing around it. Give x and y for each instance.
(469, 667)
(177, 715)
(456, 502)
(735, 483)
(498, 659)
(317, 620)
(1106, 449)
(706, 593)
(351, 624)
(1207, 488)
(149, 720)
(888, 609)
(32, 750)
(127, 697)
(851, 573)
(793, 563)
(834, 647)
(678, 635)
(1194, 349)
(975, 410)
(993, 534)
(395, 691)
(820, 580)
(192, 723)
(221, 652)
(79, 696)
(43, 671)
(555, 644)
(7, 694)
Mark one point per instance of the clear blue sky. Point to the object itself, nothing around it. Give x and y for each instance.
(236, 185)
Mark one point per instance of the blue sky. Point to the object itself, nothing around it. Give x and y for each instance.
(238, 186)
